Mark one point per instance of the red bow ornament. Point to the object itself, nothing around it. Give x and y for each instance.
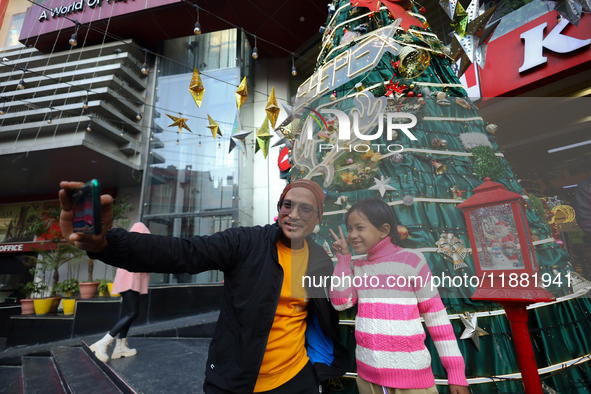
(397, 9)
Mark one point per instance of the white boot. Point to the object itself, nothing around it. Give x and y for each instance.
(99, 348)
(121, 349)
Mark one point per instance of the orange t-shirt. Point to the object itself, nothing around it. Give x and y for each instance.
(286, 355)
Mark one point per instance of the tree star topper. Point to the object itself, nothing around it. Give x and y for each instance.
(214, 127)
(472, 330)
(196, 88)
(241, 93)
(272, 109)
(382, 185)
(180, 122)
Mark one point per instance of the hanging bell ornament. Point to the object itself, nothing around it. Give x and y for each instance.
(403, 231)
(359, 87)
(491, 128)
(408, 200)
(439, 167)
(397, 158)
(442, 99)
(435, 143)
(444, 143)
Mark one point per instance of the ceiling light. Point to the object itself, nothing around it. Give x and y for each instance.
(49, 119)
(255, 52)
(139, 116)
(144, 69)
(73, 40)
(21, 84)
(569, 146)
(293, 69)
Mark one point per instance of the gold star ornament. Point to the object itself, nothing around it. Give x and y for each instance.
(196, 88)
(272, 109)
(214, 127)
(241, 93)
(264, 138)
(180, 122)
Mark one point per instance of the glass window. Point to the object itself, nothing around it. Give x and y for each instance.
(14, 31)
(194, 186)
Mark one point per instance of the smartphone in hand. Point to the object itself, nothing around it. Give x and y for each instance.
(86, 202)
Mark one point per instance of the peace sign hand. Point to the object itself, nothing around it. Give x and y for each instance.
(341, 245)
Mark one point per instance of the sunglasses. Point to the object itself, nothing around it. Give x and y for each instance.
(306, 211)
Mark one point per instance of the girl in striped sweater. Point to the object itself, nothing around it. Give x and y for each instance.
(392, 288)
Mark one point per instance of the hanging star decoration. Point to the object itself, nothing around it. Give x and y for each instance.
(272, 109)
(470, 39)
(263, 138)
(238, 135)
(241, 93)
(180, 122)
(288, 133)
(283, 140)
(196, 88)
(552, 201)
(472, 330)
(382, 185)
(214, 127)
(396, 7)
(570, 9)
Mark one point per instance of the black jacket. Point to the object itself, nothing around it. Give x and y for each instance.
(253, 278)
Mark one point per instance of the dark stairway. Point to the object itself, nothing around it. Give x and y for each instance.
(64, 370)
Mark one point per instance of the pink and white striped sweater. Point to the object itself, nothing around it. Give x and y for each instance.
(392, 287)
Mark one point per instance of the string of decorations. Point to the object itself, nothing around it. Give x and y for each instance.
(144, 68)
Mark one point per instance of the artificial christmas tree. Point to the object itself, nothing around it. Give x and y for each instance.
(385, 115)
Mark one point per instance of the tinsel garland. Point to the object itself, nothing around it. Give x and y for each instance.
(486, 164)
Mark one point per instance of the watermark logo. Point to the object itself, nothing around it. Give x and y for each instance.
(349, 128)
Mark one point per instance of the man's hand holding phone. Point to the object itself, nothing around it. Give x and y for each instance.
(89, 242)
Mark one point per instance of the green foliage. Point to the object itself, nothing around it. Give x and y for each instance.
(103, 286)
(120, 210)
(69, 285)
(33, 286)
(486, 164)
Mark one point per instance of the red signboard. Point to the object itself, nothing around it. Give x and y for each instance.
(545, 50)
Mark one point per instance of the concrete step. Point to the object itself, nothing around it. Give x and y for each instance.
(10, 376)
(40, 376)
(81, 373)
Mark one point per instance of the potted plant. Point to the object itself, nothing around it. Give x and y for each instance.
(54, 251)
(88, 289)
(103, 287)
(32, 287)
(68, 287)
